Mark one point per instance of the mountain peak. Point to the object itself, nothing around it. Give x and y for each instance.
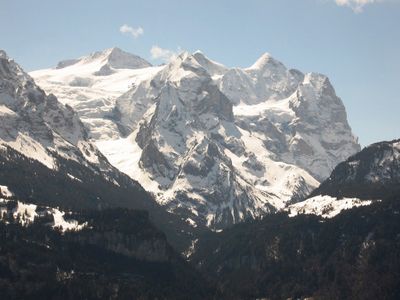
(10, 69)
(3, 54)
(263, 61)
(212, 67)
(114, 50)
(112, 57)
(119, 59)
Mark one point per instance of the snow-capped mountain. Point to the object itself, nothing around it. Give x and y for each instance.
(266, 79)
(217, 144)
(91, 84)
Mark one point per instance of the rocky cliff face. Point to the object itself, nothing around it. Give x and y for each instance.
(205, 165)
(308, 128)
(36, 124)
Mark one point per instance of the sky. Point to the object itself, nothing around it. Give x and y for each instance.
(356, 43)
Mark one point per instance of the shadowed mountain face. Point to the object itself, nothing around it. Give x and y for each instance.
(373, 173)
(37, 125)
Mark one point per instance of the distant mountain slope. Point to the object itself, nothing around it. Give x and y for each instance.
(224, 163)
(373, 173)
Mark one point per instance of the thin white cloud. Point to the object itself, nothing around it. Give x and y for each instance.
(165, 55)
(135, 32)
(356, 5)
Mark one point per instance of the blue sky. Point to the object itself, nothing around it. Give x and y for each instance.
(355, 42)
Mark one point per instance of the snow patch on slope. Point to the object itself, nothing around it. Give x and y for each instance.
(325, 206)
(5, 192)
(26, 214)
(65, 225)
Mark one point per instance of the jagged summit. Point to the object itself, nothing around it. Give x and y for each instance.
(214, 68)
(3, 54)
(11, 73)
(197, 60)
(120, 59)
(263, 61)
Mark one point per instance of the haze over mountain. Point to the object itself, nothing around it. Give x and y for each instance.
(214, 144)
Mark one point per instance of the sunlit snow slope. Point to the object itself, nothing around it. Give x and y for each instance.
(91, 84)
